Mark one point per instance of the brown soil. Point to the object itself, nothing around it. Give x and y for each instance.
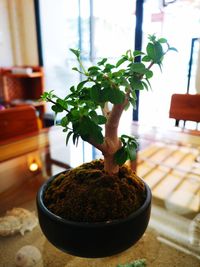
(88, 194)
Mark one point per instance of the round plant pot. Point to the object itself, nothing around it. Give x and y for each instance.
(93, 240)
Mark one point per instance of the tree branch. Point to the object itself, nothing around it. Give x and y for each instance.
(53, 102)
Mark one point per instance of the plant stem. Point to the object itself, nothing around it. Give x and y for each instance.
(82, 67)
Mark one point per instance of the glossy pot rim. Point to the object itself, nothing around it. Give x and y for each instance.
(55, 217)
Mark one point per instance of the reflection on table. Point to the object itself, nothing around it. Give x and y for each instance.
(169, 162)
(176, 169)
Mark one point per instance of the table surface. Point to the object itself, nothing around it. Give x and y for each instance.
(168, 160)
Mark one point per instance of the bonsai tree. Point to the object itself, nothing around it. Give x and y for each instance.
(104, 190)
(94, 107)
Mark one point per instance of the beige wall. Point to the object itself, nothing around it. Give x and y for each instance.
(6, 55)
(17, 24)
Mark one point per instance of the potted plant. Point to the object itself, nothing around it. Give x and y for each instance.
(102, 207)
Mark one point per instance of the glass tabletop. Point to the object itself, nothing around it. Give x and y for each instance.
(167, 160)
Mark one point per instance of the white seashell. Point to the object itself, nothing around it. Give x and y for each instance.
(9, 225)
(17, 220)
(28, 219)
(28, 256)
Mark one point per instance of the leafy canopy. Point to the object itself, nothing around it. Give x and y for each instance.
(107, 83)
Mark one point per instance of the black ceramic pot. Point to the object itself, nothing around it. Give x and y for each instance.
(93, 240)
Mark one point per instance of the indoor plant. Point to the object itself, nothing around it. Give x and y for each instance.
(102, 207)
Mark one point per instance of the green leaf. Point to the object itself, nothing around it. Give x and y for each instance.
(73, 115)
(94, 70)
(88, 129)
(155, 52)
(121, 61)
(81, 84)
(137, 53)
(76, 52)
(75, 139)
(98, 136)
(64, 121)
(124, 82)
(152, 37)
(162, 40)
(105, 95)
(132, 138)
(121, 156)
(173, 49)
(101, 119)
(72, 89)
(86, 125)
(149, 84)
(138, 67)
(57, 108)
(149, 74)
(160, 66)
(146, 59)
(102, 61)
(136, 83)
(44, 96)
(118, 76)
(133, 93)
(76, 69)
(131, 148)
(108, 67)
(116, 96)
(62, 103)
(95, 93)
(68, 136)
(133, 102)
(93, 114)
(145, 85)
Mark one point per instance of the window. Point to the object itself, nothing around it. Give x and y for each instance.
(98, 28)
(179, 22)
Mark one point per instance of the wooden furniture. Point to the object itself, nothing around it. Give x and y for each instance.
(185, 107)
(17, 89)
(17, 122)
(167, 237)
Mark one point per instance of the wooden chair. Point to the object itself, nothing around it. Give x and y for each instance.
(185, 107)
(17, 122)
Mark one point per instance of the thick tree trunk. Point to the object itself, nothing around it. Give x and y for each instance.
(109, 165)
(112, 142)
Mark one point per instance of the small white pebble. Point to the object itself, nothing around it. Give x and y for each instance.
(27, 256)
